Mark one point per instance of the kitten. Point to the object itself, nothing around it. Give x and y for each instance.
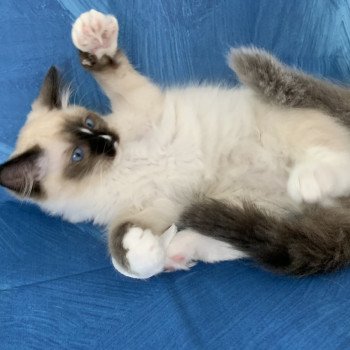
(238, 172)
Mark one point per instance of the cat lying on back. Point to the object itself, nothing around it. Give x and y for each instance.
(199, 173)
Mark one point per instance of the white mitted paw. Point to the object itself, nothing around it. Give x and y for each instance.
(145, 252)
(319, 181)
(96, 33)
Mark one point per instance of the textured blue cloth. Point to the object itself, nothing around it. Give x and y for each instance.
(58, 289)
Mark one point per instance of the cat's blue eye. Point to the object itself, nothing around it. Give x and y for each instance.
(78, 154)
(89, 123)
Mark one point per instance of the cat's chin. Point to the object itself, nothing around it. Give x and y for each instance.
(66, 213)
(74, 219)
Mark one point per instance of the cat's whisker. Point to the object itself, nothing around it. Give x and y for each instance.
(82, 97)
(75, 97)
(76, 94)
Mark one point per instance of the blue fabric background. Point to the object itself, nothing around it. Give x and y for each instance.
(58, 289)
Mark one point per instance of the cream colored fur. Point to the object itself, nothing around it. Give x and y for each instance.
(179, 143)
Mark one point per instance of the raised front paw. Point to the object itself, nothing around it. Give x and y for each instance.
(96, 33)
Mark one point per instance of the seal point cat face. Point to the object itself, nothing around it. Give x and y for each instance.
(92, 142)
(58, 145)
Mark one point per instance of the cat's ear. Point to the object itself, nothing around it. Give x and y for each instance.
(50, 95)
(22, 174)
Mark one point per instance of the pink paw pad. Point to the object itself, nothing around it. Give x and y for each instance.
(174, 263)
(178, 258)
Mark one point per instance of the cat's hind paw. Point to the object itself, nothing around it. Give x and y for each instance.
(320, 181)
(96, 33)
(145, 252)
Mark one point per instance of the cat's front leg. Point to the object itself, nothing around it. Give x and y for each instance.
(137, 252)
(95, 35)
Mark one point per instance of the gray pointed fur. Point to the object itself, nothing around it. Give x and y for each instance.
(314, 241)
(282, 85)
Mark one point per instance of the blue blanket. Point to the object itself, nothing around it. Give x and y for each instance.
(58, 289)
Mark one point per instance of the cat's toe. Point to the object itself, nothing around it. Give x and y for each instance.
(96, 33)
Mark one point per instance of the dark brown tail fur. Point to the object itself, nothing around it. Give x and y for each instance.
(316, 241)
(281, 85)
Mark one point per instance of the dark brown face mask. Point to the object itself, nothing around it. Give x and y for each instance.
(21, 174)
(94, 144)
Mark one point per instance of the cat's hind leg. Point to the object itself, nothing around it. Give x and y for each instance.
(279, 84)
(137, 252)
(302, 243)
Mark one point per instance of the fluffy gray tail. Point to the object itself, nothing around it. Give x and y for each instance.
(316, 241)
(285, 86)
